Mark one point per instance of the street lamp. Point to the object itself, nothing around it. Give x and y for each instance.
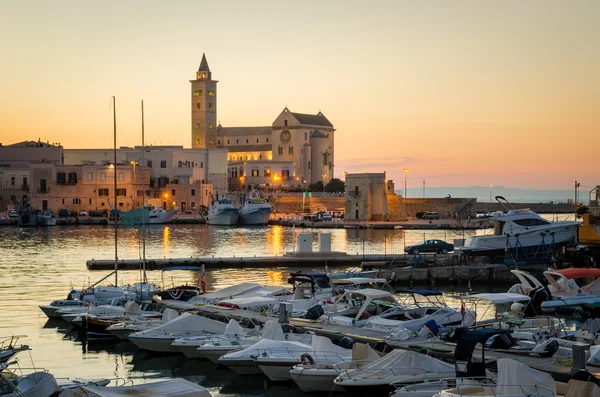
(324, 176)
(491, 193)
(405, 171)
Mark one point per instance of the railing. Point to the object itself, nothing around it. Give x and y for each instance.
(24, 186)
(43, 189)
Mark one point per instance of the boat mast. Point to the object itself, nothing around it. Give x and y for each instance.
(115, 180)
(145, 280)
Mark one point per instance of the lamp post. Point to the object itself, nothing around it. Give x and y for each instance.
(324, 176)
(405, 171)
(491, 193)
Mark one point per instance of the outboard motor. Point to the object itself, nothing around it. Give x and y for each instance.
(347, 342)
(314, 312)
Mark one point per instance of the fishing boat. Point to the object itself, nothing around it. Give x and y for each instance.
(46, 218)
(27, 217)
(520, 229)
(255, 212)
(221, 212)
(147, 215)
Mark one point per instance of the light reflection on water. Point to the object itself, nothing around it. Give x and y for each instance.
(38, 265)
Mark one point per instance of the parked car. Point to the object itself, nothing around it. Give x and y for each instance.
(63, 213)
(431, 215)
(83, 213)
(437, 246)
(13, 214)
(419, 215)
(327, 216)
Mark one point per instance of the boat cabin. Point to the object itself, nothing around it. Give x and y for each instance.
(307, 285)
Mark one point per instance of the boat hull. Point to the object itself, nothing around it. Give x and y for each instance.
(155, 344)
(224, 217)
(244, 366)
(277, 370)
(315, 380)
(214, 354)
(257, 217)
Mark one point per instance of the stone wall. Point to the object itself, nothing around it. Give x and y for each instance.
(440, 205)
(293, 203)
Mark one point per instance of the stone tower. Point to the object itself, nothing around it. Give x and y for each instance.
(204, 108)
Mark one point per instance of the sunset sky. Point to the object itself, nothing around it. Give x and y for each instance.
(459, 92)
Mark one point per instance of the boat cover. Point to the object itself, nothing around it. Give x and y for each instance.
(234, 328)
(186, 322)
(106, 310)
(515, 378)
(579, 272)
(168, 315)
(270, 347)
(324, 346)
(364, 352)
(248, 302)
(131, 307)
(224, 293)
(272, 330)
(399, 362)
(37, 384)
(498, 298)
(170, 388)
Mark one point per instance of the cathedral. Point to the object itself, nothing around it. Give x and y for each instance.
(296, 150)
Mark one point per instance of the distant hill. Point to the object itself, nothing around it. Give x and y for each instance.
(482, 194)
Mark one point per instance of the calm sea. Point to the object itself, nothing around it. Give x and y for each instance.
(38, 265)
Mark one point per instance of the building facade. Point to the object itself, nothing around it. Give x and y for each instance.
(366, 197)
(299, 147)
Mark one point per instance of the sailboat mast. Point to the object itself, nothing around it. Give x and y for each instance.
(115, 180)
(143, 203)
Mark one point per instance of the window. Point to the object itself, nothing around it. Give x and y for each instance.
(247, 141)
(198, 106)
(121, 176)
(121, 192)
(197, 92)
(210, 141)
(285, 123)
(218, 142)
(306, 136)
(172, 192)
(203, 181)
(193, 204)
(531, 222)
(241, 171)
(202, 164)
(90, 201)
(103, 176)
(285, 175)
(120, 204)
(267, 140)
(255, 172)
(43, 188)
(179, 164)
(260, 156)
(90, 176)
(150, 163)
(309, 165)
(280, 150)
(61, 178)
(256, 140)
(234, 157)
(103, 192)
(228, 141)
(211, 93)
(13, 180)
(163, 163)
(72, 178)
(76, 201)
(102, 204)
(267, 172)
(193, 192)
(63, 201)
(210, 107)
(237, 141)
(291, 150)
(198, 124)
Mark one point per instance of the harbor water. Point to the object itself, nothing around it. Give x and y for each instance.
(38, 265)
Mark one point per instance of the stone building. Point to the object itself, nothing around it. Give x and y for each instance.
(366, 197)
(297, 149)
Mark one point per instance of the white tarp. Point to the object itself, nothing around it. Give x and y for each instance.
(399, 362)
(270, 347)
(37, 384)
(324, 346)
(364, 352)
(131, 307)
(515, 378)
(169, 388)
(168, 315)
(186, 322)
(224, 293)
(234, 328)
(272, 330)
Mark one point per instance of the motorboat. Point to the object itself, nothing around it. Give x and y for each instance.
(232, 335)
(520, 229)
(256, 211)
(213, 297)
(276, 365)
(418, 307)
(355, 307)
(36, 384)
(122, 329)
(567, 295)
(160, 338)
(52, 309)
(398, 366)
(182, 292)
(353, 273)
(9, 347)
(46, 218)
(65, 383)
(318, 377)
(27, 217)
(221, 212)
(177, 387)
(243, 363)
(153, 216)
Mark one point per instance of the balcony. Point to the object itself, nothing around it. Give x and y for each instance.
(44, 189)
(25, 187)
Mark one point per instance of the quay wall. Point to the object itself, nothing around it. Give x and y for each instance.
(540, 208)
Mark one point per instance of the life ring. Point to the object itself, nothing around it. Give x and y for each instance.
(307, 359)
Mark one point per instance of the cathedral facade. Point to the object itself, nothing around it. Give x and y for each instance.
(295, 150)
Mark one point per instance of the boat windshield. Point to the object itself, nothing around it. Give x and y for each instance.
(418, 300)
(531, 222)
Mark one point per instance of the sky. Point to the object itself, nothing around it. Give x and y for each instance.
(460, 92)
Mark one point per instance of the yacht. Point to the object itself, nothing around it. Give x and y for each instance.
(256, 211)
(520, 229)
(221, 212)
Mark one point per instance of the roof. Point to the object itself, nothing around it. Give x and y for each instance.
(424, 292)
(204, 64)
(33, 144)
(575, 272)
(312, 119)
(243, 131)
(250, 148)
(317, 134)
(497, 298)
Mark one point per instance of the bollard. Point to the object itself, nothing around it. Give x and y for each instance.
(580, 356)
(283, 313)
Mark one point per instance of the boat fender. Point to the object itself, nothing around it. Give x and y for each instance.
(307, 359)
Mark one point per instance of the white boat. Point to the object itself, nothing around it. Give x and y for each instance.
(51, 310)
(46, 219)
(276, 365)
(36, 384)
(243, 363)
(159, 339)
(566, 293)
(520, 228)
(221, 212)
(177, 387)
(398, 366)
(319, 377)
(153, 216)
(9, 347)
(213, 297)
(514, 380)
(136, 324)
(232, 335)
(256, 211)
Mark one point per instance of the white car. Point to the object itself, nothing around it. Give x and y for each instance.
(13, 214)
(327, 216)
(83, 213)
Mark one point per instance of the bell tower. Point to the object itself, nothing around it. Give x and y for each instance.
(204, 108)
